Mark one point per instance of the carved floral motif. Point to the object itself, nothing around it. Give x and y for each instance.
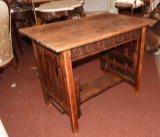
(98, 46)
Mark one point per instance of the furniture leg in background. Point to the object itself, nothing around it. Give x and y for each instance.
(21, 18)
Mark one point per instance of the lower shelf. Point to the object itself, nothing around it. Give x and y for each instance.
(99, 85)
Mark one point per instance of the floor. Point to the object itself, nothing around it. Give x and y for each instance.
(114, 113)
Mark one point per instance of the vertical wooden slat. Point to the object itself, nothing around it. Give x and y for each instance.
(77, 90)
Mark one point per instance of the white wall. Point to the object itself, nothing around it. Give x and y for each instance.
(100, 5)
(155, 3)
(95, 5)
(112, 7)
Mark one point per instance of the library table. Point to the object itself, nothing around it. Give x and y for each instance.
(117, 39)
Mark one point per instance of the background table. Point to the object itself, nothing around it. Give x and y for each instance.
(47, 10)
(61, 8)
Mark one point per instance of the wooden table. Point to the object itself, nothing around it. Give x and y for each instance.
(102, 35)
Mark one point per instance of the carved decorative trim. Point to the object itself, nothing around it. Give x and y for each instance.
(98, 46)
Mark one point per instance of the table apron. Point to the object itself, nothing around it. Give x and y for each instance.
(104, 44)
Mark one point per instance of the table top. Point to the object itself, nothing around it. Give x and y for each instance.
(66, 35)
(59, 5)
(37, 3)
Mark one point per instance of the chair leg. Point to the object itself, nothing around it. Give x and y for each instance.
(131, 11)
(1, 71)
(15, 65)
(15, 53)
(142, 10)
(17, 36)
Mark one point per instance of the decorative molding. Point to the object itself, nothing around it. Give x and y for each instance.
(96, 47)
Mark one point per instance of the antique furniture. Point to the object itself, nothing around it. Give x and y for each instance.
(60, 10)
(29, 2)
(153, 32)
(129, 4)
(6, 49)
(51, 10)
(55, 52)
(148, 5)
(21, 17)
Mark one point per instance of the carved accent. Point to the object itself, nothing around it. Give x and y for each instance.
(95, 47)
(51, 76)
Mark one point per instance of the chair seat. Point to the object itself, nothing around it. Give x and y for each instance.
(128, 3)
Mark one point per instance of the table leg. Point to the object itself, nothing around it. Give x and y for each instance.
(69, 84)
(56, 75)
(140, 62)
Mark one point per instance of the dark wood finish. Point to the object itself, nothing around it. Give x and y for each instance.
(37, 3)
(50, 17)
(147, 0)
(21, 17)
(79, 10)
(99, 35)
(99, 85)
(14, 63)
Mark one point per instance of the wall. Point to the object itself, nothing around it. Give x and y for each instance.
(155, 3)
(100, 5)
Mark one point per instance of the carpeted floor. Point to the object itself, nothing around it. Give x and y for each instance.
(114, 113)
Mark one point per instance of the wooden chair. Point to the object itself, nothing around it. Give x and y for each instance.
(129, 4)
(6, 50)
(152, 42)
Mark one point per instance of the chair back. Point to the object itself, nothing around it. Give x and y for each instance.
(6, 51)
